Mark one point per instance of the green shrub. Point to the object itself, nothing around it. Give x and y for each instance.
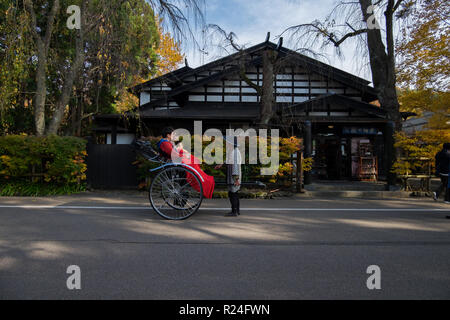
(32, 162)
(29, 189)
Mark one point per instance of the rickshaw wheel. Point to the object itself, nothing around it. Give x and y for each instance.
(176, 193)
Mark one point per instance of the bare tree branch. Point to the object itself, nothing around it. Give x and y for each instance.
(228, 38)
(319, 29)
(178, 19)
(348, 35)
(399, 2)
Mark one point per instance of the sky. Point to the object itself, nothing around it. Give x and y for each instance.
(250, 20)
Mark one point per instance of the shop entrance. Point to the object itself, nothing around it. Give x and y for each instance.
(346, 157)
(330, 157)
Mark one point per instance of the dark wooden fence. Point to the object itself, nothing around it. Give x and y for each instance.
(110, 166)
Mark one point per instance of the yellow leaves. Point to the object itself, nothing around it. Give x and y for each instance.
(307, 164)
(126, 102)
(421, 144)
(169, 52)
(420, 101)
(423, 52)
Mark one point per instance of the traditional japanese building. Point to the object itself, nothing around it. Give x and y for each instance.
(331, 109)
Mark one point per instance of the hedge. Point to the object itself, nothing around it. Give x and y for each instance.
(30, 164)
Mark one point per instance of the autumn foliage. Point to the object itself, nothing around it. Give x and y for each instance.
(423, 70)
(59, 160)
(169, 57)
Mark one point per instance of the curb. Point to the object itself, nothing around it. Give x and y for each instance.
(354, 194)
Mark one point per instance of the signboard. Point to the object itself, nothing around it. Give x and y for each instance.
(359, 130)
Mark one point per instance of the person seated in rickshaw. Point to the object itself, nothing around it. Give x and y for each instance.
(167, 148)
(175, 153)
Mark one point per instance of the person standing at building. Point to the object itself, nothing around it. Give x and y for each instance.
(442, 168)
(447, 193)
(447, 190)
(234, 175)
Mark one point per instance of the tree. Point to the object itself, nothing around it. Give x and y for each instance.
(423, 65)
(14, 66)
(168, 51)
(121, 49)
(168, 58)
(270, 64)
(423, 73)
(42, 35)
(357, 20)
(66, 53)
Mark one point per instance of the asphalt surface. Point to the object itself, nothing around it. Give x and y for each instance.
(277, 249)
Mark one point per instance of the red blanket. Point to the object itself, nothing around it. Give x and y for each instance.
(208, 184)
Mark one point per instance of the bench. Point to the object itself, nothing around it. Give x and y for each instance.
(425, 182)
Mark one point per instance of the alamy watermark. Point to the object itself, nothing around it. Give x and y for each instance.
(259, 143)
(372, 21)
(374, 280)
(74, 21)
(74, 280)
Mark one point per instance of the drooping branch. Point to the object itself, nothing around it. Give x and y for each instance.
(399, 2)
(224, 39)
(349, 35)
(318, 28)
(180, 14)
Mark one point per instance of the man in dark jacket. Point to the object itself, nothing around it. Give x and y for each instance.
(442, 164)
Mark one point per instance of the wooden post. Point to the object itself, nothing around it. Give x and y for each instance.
(302, 176)
(389, 153)
(299, 172)
(307, 138)
(114, 134)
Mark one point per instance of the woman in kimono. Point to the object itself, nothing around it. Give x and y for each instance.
(176, 153)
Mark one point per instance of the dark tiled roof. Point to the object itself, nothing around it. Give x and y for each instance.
(342, 100)
(321, 68)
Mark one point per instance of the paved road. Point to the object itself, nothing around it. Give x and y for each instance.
(277, 249)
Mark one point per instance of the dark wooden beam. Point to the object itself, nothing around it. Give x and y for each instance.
(338, 119)
(307, 140)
